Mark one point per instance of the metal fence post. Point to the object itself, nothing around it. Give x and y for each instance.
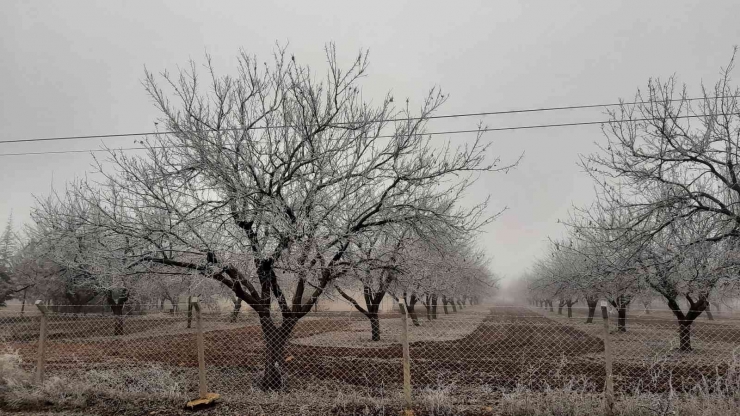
(202, 388)
(609, 390)
(41, 357)
(406, 358)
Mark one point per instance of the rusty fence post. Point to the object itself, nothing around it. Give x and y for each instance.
(41, 354)
(406, 358)
(609, 388)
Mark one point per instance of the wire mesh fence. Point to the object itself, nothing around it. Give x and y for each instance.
(478, 347)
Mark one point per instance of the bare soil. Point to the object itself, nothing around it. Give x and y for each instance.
(506, 348)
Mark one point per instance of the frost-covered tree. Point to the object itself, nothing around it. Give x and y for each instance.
(264, 179)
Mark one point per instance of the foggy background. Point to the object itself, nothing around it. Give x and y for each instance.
(74, 68)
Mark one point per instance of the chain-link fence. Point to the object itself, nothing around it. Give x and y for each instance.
(478, 348)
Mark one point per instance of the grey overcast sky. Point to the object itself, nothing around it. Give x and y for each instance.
(74, 68)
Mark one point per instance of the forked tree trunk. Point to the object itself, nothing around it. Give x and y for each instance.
(452, 303)
(686, 320)
(444, 304)
(591, 310)
(371, 309)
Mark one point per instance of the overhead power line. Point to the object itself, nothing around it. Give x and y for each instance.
(434, 133)
(437, 117)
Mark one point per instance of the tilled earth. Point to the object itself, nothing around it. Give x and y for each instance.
(511, 347)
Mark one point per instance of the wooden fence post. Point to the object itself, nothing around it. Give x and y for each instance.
(204, 398)
(406, 359)
(41, 357)
(609, 390)
(202, 388)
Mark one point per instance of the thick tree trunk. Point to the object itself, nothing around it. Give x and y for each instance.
(412, 314)
(235, 312)
(434, 306)
(709, 312)
(549, 303)
(591, 310)
(116, 305)
(684, 335)
(647, 308)
(444, 304)
(375, 326)
(621, 304)
(275, 337)
(118, 313)
(560, 307)
(622, 319)
(428, 306)
(570, 310)
(454, 308)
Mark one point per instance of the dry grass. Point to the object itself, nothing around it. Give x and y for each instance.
(81, 388)
(154, 390)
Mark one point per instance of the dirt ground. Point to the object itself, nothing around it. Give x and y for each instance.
(508, 347)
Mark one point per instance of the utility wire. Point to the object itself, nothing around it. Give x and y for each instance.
(443, 116)
(483, 130)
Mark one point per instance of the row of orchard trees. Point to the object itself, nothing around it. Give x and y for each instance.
(666, 221)
(60, 274)
(279, 184)
(430, 270)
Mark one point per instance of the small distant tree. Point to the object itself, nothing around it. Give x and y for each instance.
(375, 267)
